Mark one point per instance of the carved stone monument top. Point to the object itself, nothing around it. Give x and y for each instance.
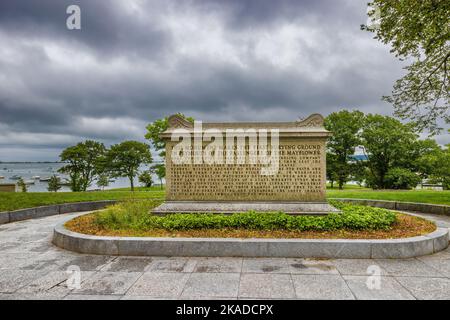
(310, 126)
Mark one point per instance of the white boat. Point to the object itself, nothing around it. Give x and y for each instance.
(36, 177)
(64, 181)
(28, 182)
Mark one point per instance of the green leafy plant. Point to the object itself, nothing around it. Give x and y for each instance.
(22, 185)
(146, 178)
(417, 32)
(135, 215)
(54, 184)
(400, 178)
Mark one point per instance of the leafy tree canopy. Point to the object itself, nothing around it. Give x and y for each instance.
(387, 143)
(417, 31)
(124, 159)
(146, 178)
(82, 163)
(160, 171)
(157, 127)
(345, 126)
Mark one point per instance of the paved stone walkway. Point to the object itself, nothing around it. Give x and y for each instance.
(32, 268)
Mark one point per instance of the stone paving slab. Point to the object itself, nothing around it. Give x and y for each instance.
(426, 288)
(388, 288)
(265, 265)
(408, 268)
(219, 264)
(178, 264)
(157, 284)
(32, 268)
(27, 296)
(312, 266)
(329, 287)
(204, 285)
(128, 264)
(357, 267)
(108, 283)
(440, 262)
(276, 286)
(12, 280)
(51, 284)
(92, 297)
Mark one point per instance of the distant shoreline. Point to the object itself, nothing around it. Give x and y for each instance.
(16, 162)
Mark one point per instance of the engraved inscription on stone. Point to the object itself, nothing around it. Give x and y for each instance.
(301, 176)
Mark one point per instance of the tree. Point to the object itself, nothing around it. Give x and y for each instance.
(441, 167)
(22, 185)
(358, 172)
(154, 131)
(424, 153)
(331, 169)
(124, 159)
(417, 31)
(345, 126)
(82, 163)
(160, 170)
(54, 184)
(103, 180)
(146, 178)
(387, 143)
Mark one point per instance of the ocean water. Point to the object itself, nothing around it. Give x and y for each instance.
(45, 170)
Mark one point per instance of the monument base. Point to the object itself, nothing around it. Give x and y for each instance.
(229, 207)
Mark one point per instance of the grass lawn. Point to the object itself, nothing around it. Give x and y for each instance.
(17, 200)
(425, 196)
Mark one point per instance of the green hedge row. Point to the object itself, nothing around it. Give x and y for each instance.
(135, 215)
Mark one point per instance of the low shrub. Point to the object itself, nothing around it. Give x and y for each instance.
(135, 215)
(400, 178)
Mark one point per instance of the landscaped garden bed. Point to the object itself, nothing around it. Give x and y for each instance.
(132, 219)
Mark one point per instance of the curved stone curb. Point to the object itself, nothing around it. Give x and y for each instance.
(45, 211)
(402, 206)
(227, 247)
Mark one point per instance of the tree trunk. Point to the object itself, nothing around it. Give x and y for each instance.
(131, 183)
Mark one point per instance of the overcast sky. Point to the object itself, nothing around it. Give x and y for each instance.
(135, 61)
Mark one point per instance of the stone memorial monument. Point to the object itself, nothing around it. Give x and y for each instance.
(237, 167)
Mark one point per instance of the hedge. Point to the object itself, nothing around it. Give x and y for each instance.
(135, 215)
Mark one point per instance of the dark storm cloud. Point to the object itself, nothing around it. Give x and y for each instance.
(264, 13)
(136, 61)
(107, 29)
